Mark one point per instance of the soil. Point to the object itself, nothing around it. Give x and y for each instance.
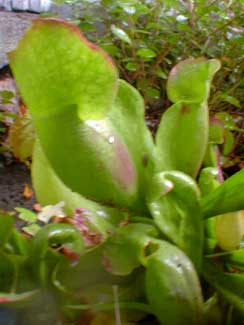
(12, 27)
(13, 179)
(13, 174)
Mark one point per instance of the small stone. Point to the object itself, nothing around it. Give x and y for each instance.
(12, 28)
(40, 5)
(20, 4)
(5, 4)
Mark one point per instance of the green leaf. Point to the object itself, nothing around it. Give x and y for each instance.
(7, 274)
(120, 34)
(26, 215)
(172, 286)
(182, 138)
(17, 299)
(32, 229)
(153, 25)
(95, 153)
(208, 180)
(64, 74)
(126, 2)
(129, 305)
(110, 49)
(190, 80)
(229, 285)
(57, 234)
(213, 313)
(229, 123)
(85, 26)
(173, 200)
(53, 235)
(142, 9)
(167, 60)
(146, 53)
(84, 274)
(161, 74)
(124, 250)
(229, 142)
(131, 66)
(153, 93)
(172, 3)
(216, 131)
(101, 218)
(6, 229)
(228, 197)
(229, 229)
(107, 162)
(231, 100)
(127, 117)
(209, 242)
(19, 243)
(211, 158)
(235, 259)
(127, 6)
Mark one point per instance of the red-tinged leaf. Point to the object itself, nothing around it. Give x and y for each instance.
(66, 70)
(182, 137)
(17, 299)
(73, 85)
(81, 222)
(216, 130)
(190, 80)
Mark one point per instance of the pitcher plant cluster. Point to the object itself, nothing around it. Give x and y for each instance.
(149, 217)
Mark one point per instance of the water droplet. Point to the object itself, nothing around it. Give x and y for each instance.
(167, 187)
(129, 9)
(101, 213)
(181, 18)
(95, 125)
(111, 139)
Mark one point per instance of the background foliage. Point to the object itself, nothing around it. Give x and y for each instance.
(146, 38)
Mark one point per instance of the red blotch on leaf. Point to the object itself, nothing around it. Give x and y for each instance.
(185, 109)
(80, 221)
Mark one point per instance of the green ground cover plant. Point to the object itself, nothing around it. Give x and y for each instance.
(5, 98)
(151, 227)
(147, 38)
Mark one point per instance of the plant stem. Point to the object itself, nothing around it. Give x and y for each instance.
(110, 306)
